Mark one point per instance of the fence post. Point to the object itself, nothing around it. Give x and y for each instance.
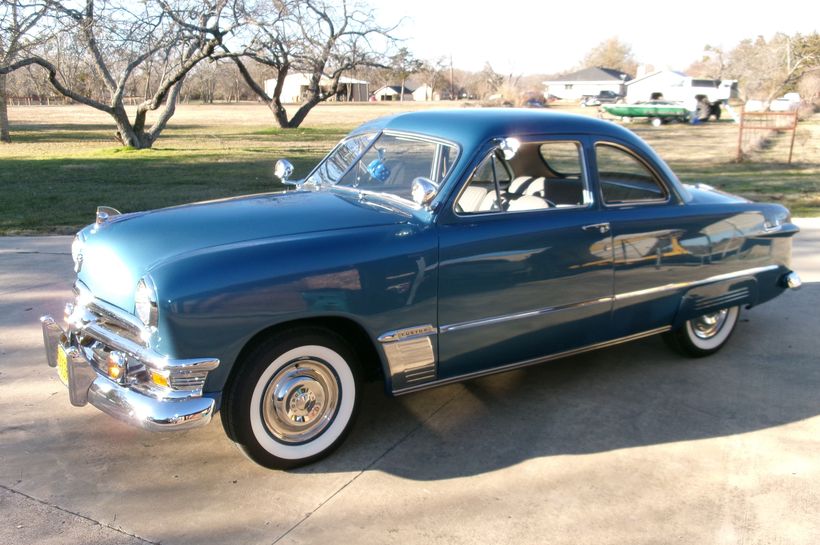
(794, 132)
(739, 156)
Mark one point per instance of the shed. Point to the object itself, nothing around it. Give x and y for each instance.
(296, 85)
(586, 82)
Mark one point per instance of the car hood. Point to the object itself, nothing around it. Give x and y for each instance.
(116, 254)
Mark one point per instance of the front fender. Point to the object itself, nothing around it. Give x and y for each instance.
(215, 300)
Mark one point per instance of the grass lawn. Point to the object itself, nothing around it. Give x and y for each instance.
(64, 161)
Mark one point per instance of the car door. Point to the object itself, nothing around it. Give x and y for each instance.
(657, 243)
(525, 261)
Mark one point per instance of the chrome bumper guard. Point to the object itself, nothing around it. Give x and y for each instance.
(792, 281)
(86, 384)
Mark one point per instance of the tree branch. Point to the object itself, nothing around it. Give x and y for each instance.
(52, 77)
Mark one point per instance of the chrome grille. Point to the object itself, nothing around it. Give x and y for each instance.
(99, 329)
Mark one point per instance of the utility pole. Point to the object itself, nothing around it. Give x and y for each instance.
(452, 88)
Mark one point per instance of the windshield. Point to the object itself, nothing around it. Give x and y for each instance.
(339, 160)
(393, 161)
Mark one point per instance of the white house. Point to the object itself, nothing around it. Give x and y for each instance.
(589, 81)
(424, 93)
(296, 85)
(678, 87)
(393, 92)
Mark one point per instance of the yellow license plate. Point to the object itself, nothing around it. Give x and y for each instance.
(62, 364)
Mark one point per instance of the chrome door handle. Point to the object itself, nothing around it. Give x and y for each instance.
(602, 228)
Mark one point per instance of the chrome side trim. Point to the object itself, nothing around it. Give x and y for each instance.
(519, 315)
(407, 333)
(617, 297)
(410, 355)
(680, 285)
(527, 363)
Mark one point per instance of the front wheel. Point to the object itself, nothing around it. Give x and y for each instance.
(294, 398)
(705, 334)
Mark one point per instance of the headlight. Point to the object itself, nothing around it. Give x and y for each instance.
(145, 302)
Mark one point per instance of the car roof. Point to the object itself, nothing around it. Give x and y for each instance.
(472, 127)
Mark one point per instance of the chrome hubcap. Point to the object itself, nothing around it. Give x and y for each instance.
(300, 401)
(708, 325)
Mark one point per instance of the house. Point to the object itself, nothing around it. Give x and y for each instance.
(393, 92)
(424, 93)
(296, 85)
(586, 82)
(678, 87)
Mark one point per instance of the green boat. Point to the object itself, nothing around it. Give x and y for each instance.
(658, 111)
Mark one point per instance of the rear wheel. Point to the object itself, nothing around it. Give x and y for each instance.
(705, 334)
(656, 121)
(294, 398)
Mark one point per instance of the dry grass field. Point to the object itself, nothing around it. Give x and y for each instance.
(64, 160)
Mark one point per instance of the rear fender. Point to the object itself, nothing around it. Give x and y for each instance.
(701, 300)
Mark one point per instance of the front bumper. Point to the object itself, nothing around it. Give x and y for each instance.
(86, 384)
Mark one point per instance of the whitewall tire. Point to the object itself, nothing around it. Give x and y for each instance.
(705, 335)
(294, 398)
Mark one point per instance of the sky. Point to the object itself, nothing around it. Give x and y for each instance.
(530, 37)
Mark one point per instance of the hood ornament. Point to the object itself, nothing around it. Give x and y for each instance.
(104, 213)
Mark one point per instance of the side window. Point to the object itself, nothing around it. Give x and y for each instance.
(624, 178)
(563, 158)
(479, 197)
(541, 176)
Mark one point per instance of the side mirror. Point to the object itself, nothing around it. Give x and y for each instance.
(424, 190)
(282, 170)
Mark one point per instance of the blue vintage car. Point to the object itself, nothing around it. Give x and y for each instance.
(426, 248)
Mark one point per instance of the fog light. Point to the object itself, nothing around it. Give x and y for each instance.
(160, 379)
(116, 365)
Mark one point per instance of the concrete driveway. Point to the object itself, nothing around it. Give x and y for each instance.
(632, 444)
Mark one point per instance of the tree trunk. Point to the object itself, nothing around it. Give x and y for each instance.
(301, 113)
(5, 135)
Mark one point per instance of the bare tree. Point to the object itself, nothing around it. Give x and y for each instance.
(612, 53)
(765, 69)
(17, 20)
(712, 65)
(318, 38)
(432, 73)
(487, 82)
(119, 38)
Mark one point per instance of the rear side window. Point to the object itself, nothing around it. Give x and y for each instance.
(626, 179)
(562, 158)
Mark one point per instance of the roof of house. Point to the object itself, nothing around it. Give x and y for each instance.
(395, 88)
(304, 78)
(657, 73)
(595, 73)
